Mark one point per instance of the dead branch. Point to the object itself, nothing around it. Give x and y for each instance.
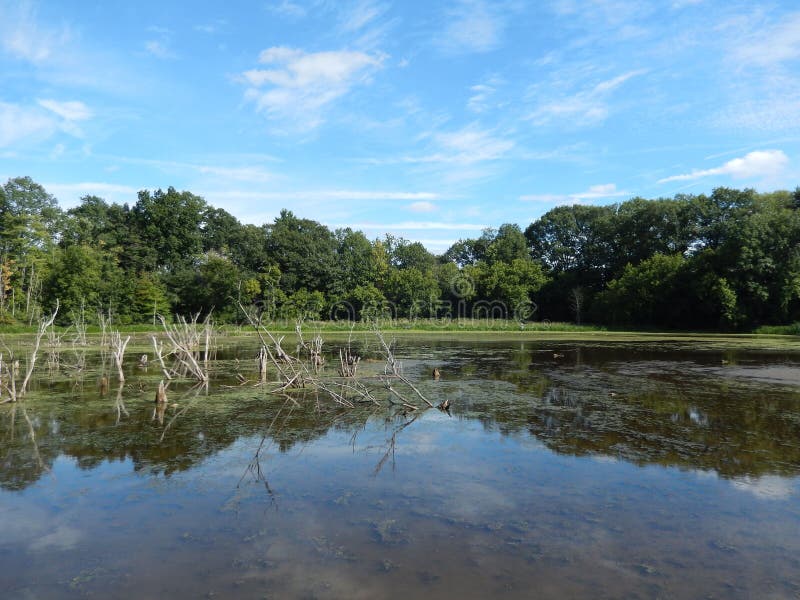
(44, 325)
(185, 339)
(304, 371)
(159, 350)
(118, 346)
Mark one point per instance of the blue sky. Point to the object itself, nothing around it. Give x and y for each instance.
(429, 120)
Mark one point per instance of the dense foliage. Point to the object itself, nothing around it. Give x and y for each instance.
(728, 260)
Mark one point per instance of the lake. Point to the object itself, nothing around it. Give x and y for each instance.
(563, 469)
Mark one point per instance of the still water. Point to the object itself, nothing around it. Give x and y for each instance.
(563, 469)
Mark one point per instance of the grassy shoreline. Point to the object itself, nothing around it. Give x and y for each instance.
(771, 337)
(426, 326)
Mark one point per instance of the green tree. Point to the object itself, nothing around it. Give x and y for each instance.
(508, 245)
(414, 293)
(85, 277)
(303, 304)
(511, 284)
(29, 224)
(168, 224)
(369, 302)
(305, 252)
(149, 299)
(357, 263)
(409, 255)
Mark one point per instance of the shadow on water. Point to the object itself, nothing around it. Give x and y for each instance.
(569, 469)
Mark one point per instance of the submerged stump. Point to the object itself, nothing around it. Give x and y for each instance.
(161, 393)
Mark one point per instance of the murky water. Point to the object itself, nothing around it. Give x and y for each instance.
(562, 470)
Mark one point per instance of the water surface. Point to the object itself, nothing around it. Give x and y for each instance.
(562, 470)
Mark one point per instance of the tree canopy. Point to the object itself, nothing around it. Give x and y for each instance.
(726, 260)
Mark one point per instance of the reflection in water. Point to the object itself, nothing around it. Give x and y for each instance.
(560, 471)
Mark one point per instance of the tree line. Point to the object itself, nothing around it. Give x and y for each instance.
(728, 260)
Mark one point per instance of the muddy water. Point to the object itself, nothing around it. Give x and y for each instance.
(562, 470)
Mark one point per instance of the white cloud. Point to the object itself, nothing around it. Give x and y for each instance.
(767, 113)
(361, 14)
(769, 46)
(323, 195)
(301, 85)
(422, 207)
(23, 37)
(588, 107)
(69, 111)
(90, 187)
(465, 146)
(472, 144)
(211, 28)
(252, 174)
(159, 49)
(19, 124)
(760, 163)
(478, 102)
(69, 194)
(159, 30)
(473, 26)
(215, 169)
(287, 8)
(595, 192)
(418, 226)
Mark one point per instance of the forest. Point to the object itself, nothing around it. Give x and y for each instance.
(729, 260)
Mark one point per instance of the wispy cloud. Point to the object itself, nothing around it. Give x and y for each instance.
(287, 8)
(29, 124)
(90, 187)
(23, 37)
(250, 174)
(595, 192)
(587, 107)
(422, 207)
(159, 49)
(472, 26)
(772, 45)
(466, 146)
(473, 144)
(247, 169)
(71, 111)
(69, 194)
(212, 27)
(360, 14)
(760, 163)
(300, 86)
(418, 226)
(326, 195)
(20, 124)
(482, 95)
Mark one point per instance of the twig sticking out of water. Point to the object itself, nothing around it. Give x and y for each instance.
(347, 390)
(185, 338)
(118, 346)
(9, 370)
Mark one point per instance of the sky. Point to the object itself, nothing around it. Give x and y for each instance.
(427, 120)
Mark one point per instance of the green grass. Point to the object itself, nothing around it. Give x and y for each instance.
(434, 326)
(793, 329)
(431, 325)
